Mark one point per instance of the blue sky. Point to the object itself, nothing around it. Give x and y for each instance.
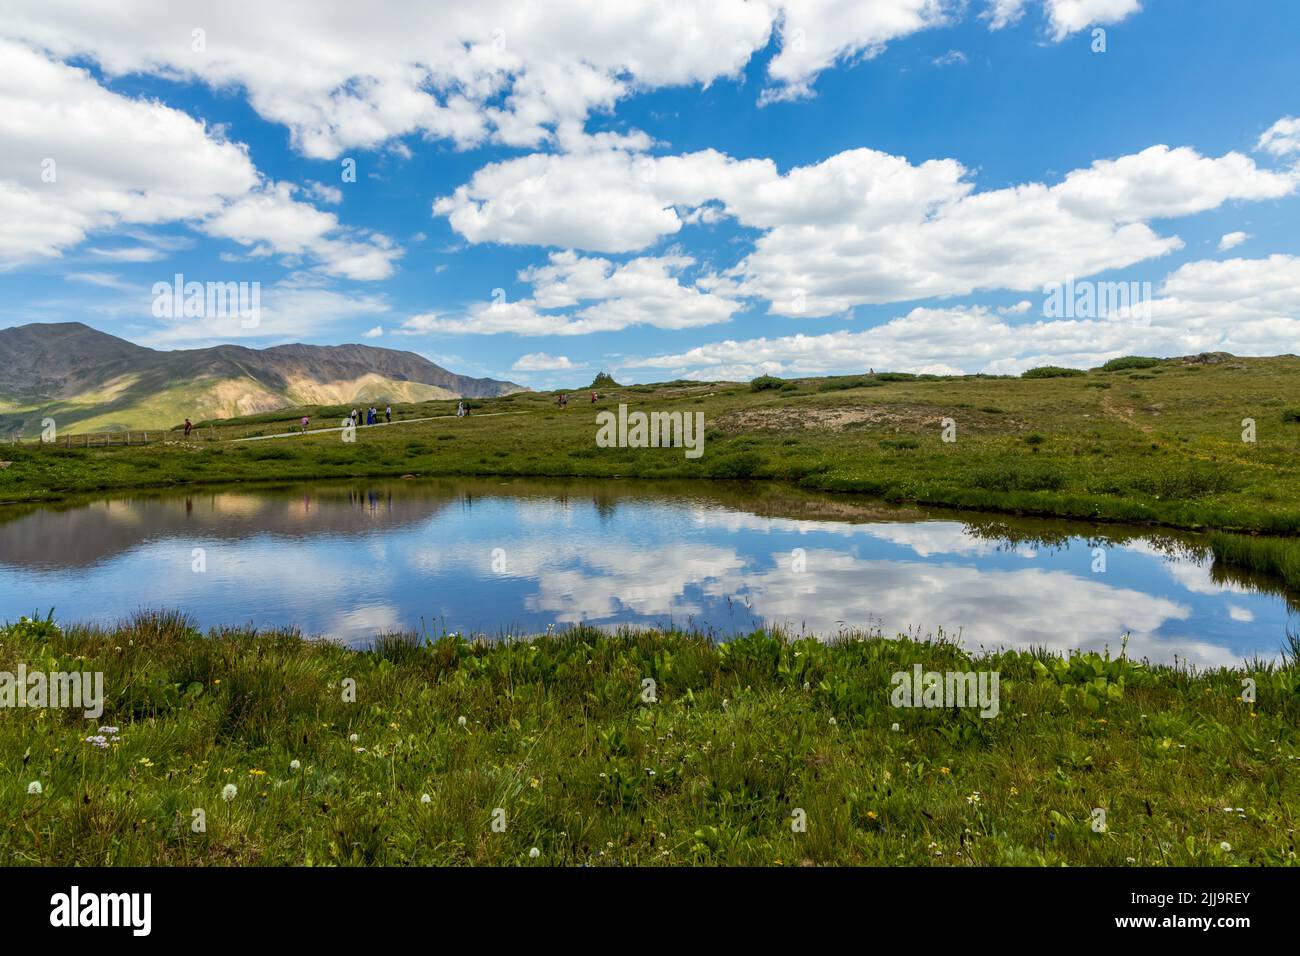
(662, 190)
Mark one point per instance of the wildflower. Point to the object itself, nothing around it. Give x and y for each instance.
(1015, 792)
(294, 765)
(353, 738)
(535, 783)
(974, 797)
(145, 761)
(1130, 859)
(834, 721)
(425, 798)
(462, 721)
(108, 730)
(358, 750)
(34, 788)
(228, 792)
(99, 740)
(893, 727)
(1225, 846)
(945, 771)
(256, 773)
(534, 853)
(871, 815)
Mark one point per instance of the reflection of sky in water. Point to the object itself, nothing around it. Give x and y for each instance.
(353, 566)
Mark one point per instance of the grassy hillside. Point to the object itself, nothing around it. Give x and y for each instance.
(1160, 444)
(555, 733)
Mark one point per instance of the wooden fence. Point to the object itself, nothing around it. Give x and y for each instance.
(93, 440)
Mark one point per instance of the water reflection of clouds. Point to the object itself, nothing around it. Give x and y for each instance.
(1018, 608)
(328, 566)
(651, 582)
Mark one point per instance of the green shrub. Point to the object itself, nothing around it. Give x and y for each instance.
(1291, 415)
(272, 453)
(852, 381)
(1194, 481)
(745, 464)
(1052, 371)
(1019, 477)
(1130, 361)
(764, 382)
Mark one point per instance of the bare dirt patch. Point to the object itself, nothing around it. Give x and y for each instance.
(800, 418)
(837, 418)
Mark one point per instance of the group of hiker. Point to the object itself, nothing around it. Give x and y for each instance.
(372, 415)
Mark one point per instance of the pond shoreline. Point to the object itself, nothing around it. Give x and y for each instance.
(511, 555)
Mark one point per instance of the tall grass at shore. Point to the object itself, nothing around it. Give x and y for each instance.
(1277, 558)
(556, 740)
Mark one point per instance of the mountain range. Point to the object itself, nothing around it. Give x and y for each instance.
(87, 380)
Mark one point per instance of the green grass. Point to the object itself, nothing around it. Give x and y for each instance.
(1096, 446)
(556, 734)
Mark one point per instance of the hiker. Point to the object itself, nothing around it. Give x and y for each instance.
(370, 415)
(305, 422)
(189, 426)
(593, 398)
(356, 417)
(388, 414)
(460, 409)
